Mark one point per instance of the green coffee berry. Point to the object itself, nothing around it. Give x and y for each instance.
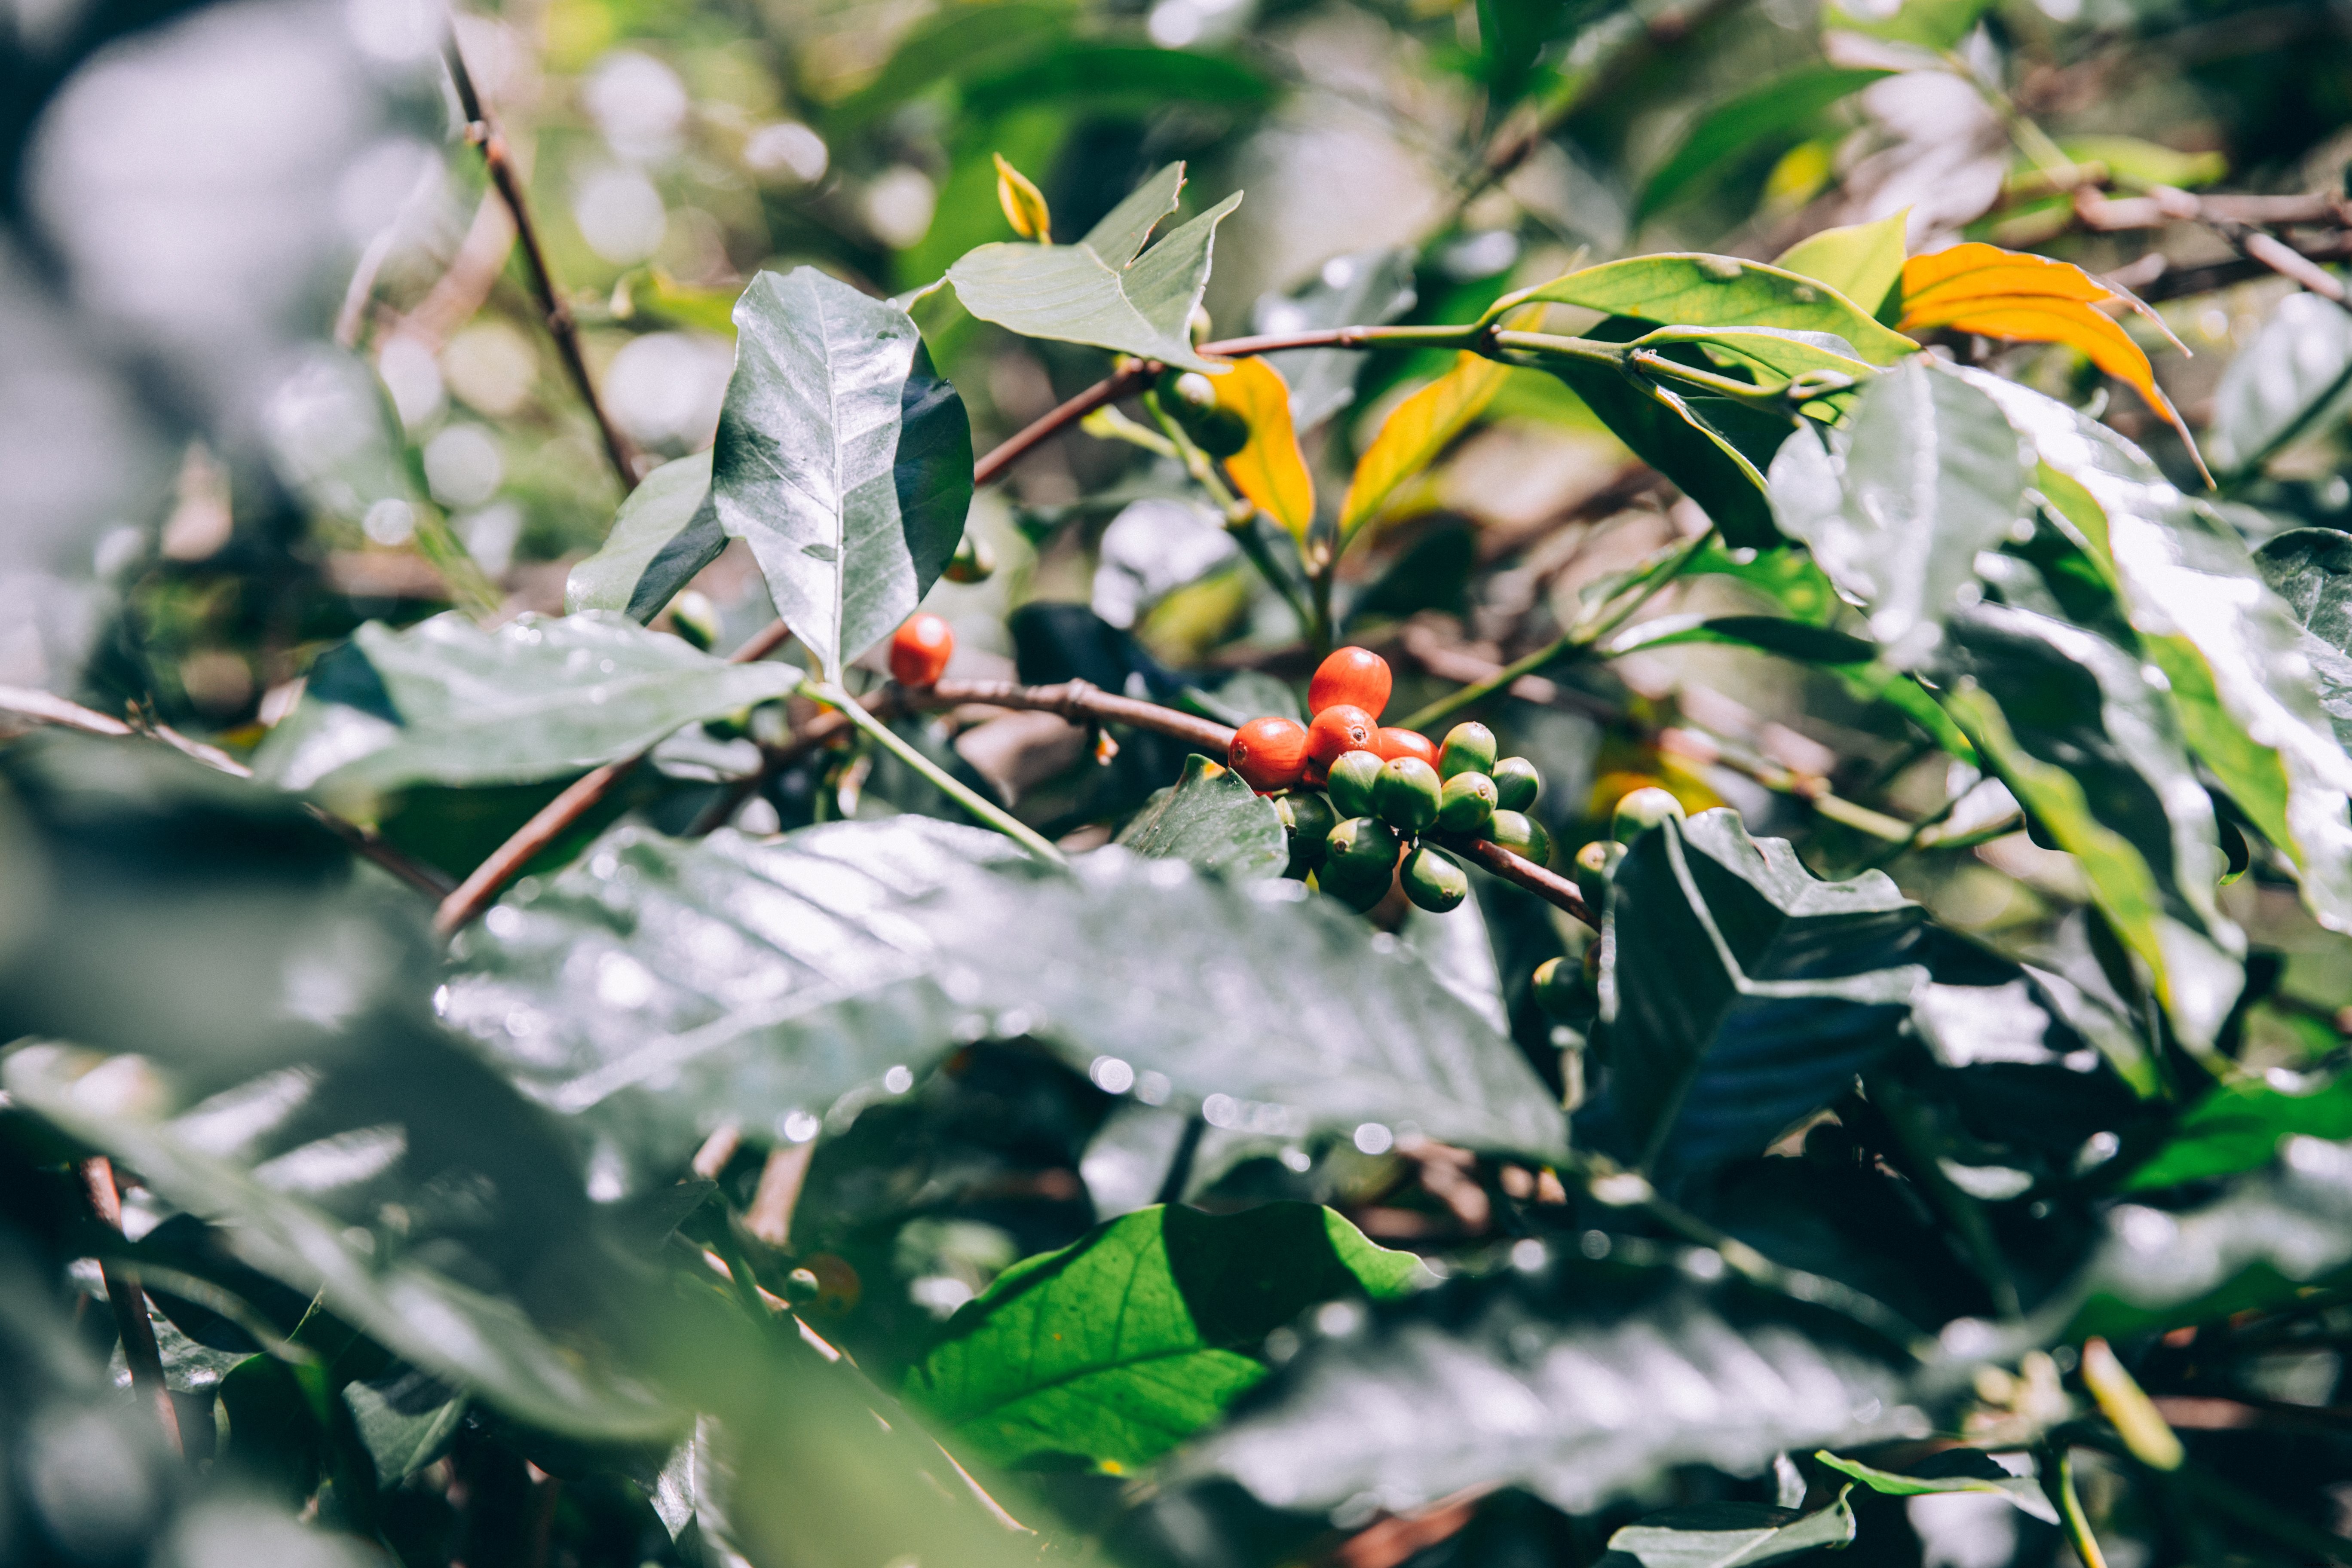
(1640, 811)
(1595, 864)
(1468, 749)
(695, 619)
(1189, 399)
(1522, 835)
(1517, 783)
(1360, 849)
(1467, 803)
(1360, 894)
(1351, 781)
(1406, 794)
(974, 562)
(1308, 818)
(1432, 881)
(1563, 993)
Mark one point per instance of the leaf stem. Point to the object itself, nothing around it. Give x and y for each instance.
(2056, 1462)
(995, 816)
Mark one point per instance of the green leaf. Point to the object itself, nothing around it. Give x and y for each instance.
(1953, 1471)
(1784, 988)
(401, 1442)
(1778, 352)
(1699, 290)
(1369, 288)
(1547, 1375)
(1779, 109)
(2239, 1127)
(2085, 740)
(1933, 25)
(445, 702)
(1100, 291)
(1862, 261)
(2311, 569)
(1211, 818)
(1897, 505)
(2232, 653)
(1790, 638)
(670, 987)
(1713, 456)
(663, 533)
(1138, 78)
(841, 458)
(2289, 383)
(1733, 1534)
(1132, 1339)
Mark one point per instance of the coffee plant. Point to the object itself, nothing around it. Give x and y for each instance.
(768, 798)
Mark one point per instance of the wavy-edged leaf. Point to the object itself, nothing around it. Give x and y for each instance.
(2025, 299)
(1100, 291)
(1546, 1375)
(2289, 382)
(1695, 289)
(1412, 435)
(663, 533)
(841, 458)
(1733, 1534)
(1780, 108)
(1140, 1333)
(1211, 818)
(2239, 1126)
(1953, 1471)
(1271, 471)
(1783, 989)
(666, 987)
(1862, 261)
(2236, 660)
(1897, 503)
(1367, 287)
(445, 702)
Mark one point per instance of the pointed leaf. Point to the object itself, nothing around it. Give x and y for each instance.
(2289, 382)
(1699, 290)
(445, 702)
(1024, 202)
(1271, 471)
(1862, 261)
(1896, 504)
(841, 458)
(1733, 1534)
(1953, 1471)
(1132, 1339)
(663, 533)
(1212, 819)
(1780, 108)
(1785, 987)
(1371, 288)
(1100, 291)
(1410, 438)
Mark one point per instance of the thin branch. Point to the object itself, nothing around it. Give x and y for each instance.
(1543, 883)
(550, 823)
(559, 324)
(130, 1304)
(1128, 379)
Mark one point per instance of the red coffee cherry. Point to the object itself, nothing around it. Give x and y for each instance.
(1269, 753)
(1392, 743)
(1337, 731)
(920, 650)
(1356, 677)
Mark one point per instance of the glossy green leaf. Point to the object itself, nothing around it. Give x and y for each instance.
(2232, 653)
(1785, 987)
(1779, 109)
(1782, 635)
(1546, 1375)
(2087, 743)
(1733, 1534)
(1701, 291)
(842, 457)
(445, 702)
(1778, 352)
(670, 987)
(1862, 261)
(1712, 449)
(2311, 569)
(2289, 383)
(1211, 818)
(1130, 1340)
(1897, 505)
(1370, 287)
(1953, 1471)
(663, 533)
(1100, 291)
(2239, 1127)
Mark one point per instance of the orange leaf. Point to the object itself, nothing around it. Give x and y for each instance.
(1270, 470)
(2006, 294)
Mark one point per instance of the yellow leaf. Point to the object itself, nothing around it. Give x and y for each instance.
(2020, 299)
(1270, 470)
(1024, 202)
(1423, 425)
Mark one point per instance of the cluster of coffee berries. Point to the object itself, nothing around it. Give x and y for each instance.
(1392, 796)
(1564, 987)
(920, 650)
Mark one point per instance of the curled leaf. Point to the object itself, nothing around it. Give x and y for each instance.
(1024, 202)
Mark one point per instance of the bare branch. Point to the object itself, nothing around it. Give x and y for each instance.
(130, 1303)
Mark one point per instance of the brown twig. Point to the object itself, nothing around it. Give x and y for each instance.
(559, 324)
(547, 824)
(2235, 218)
(130, 1303)
(1547, 884)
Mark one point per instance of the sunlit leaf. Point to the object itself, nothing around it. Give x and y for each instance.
(1733, 1534)
(2137, 162)
(1128, 1342)
(1420, 427)
(2239, 1126)
(1100, 291)
(1270, 470)
(1778, 352)
(1862, 261)
(663, 533)
(1024, 202)
(1212, 819)
(841, 458)
(1700, 290)
(2289, 383)
(1953, 1471)
(1780, 108)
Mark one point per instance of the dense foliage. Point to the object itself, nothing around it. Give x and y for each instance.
(1620, 828)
